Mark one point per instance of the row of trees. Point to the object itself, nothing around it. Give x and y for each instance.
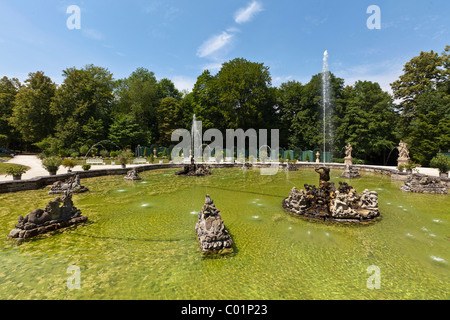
(90, 106)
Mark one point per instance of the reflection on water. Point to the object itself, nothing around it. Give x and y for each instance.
(129, 252)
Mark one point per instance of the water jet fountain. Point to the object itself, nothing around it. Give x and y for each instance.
(194, 169)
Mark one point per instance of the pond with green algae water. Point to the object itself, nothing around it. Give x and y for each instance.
(140, 242)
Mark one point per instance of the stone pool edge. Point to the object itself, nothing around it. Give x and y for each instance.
(43, 181)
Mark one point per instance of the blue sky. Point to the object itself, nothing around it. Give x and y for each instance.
(178, 39)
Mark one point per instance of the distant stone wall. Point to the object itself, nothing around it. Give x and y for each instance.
(41, 182)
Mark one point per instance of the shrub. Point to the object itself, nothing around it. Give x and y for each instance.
(74, 154)
(307, 158)
(113, 154)
(84, 150)
(69, 163)
(410, 166)
(123, 157)
(104, 153)
(16, 170)
(440, 162)
(51, 164)
(85, 166)
(401, 168)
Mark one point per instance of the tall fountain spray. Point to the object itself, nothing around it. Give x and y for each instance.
(196, 139)
(325, 98)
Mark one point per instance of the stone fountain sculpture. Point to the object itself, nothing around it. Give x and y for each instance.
(132, 175)
(211, 232)
(59, 213)
(421, 183)
(350, 172)
(71, 185)
(194, 170)
(403, 154)
(327, 203)
(348, 160)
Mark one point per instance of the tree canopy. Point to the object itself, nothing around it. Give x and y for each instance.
(91, 106)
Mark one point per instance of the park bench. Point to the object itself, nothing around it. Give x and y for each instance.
(140, 161)
(95, 161)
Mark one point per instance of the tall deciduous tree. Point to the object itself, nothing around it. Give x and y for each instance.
(170, 117)
(137, 96)
(424, 93)
(367, 120)
(85, 98)
(8, 91)
(31, 113)
(245, 95)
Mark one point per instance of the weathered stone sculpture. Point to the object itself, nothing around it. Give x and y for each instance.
(421, 183)
(194, 169)
(211, 232)
(328, 204)
(71, 185)
(403, 154)
(59, 213)
(317, 157)
(348, 160)
(350, 172)
(290, 167)
(132, 175)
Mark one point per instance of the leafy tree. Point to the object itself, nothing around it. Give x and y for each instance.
(245, 95)
(289, 97)
(205, 102)
(367, 120)
(166, 89)
(429, 130)
(86, 95)
(424, 93)
(422, 73)
(8, 91)
(31, 115)
(125, 132)
(300, 108)
(170, 117)
(137, 96)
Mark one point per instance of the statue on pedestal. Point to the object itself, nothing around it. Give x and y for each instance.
(348, 154)
(403, 154)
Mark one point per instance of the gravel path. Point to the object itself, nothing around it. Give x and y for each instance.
(38, 171)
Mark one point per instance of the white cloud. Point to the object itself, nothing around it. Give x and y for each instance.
(213, 66)
(246, 14)
(383, 72)
(183, 82)
(214, 44)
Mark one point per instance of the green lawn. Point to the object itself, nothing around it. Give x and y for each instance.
(4, 166)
